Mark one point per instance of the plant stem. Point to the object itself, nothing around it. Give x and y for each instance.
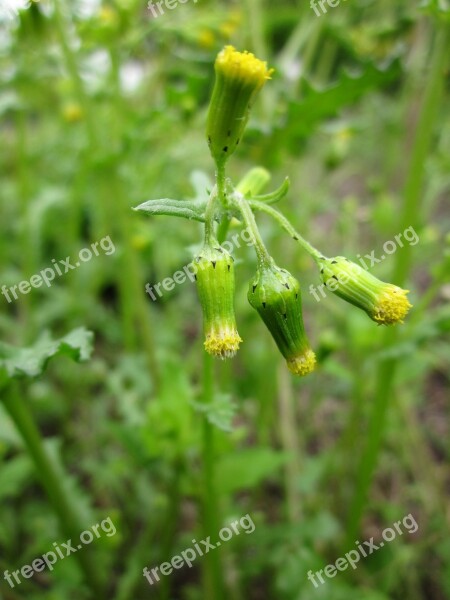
(289, 441)
(212, 574)
(264, 258)
(410, 215)
(285, 224)
(50, 479)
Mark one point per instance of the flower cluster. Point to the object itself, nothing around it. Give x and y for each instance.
(273, 292)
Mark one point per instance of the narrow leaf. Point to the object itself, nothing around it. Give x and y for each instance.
(174, 208)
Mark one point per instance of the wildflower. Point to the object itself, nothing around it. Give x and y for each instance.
(386, 304)
(275, 294)
(239, 77)
(214, 272)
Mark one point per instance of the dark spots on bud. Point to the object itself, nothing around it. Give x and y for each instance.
(334, 262)
(213, 262)
(322, 258)
(254, 288)
(219, 250)
(229, 267)
(334, 277)
(237, 142)
(321, 269)
(195, 277)
(264, 305)
(229, 133)
(286, 285)
(209, 140)
(225, 148)
(295, 237)
(285, 316)
(296, 296)
(232, 258)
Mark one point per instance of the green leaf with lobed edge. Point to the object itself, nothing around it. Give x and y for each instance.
(318, 105)
(32, 361)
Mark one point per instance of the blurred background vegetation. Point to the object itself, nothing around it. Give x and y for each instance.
(102, 107)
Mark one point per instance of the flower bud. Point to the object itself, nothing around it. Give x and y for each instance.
(239, 77)
(275, 294)
(214, 272)
(385, 303)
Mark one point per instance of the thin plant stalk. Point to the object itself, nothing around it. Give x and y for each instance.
(410, 215)
(212, 573)
(22, 417)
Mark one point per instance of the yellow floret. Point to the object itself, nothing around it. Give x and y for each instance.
(302, 365)
(392, 306)
(223, 344)
(243, 66)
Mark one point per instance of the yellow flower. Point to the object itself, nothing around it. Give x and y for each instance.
(222, 342)
(275, 294)
(242, 67)
(239, 77)
(214, 272)
(302, 364)
(386, 304)
(392, 306)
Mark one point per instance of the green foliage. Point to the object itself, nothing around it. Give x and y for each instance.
(104, 106)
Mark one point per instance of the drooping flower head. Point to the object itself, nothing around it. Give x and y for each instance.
(275, 294)
(239, 77)
(214, 271)
(386, 304)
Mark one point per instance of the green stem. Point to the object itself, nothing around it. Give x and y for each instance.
(290, 443)
(50, 479)
(285, 224)
(210, 235)
(410, 215)
(212, 574)
(264, 258)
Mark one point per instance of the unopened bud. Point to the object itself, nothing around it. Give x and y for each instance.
(386, 304)
(239, 77)
(214, 272)
(275, 294)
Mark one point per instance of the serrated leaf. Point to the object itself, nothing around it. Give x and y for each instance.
(318, 105)
(32, 361)
(186, 209)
